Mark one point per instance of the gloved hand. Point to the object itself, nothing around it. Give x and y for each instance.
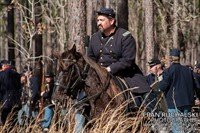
(108, 69)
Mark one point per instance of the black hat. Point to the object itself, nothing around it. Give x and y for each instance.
(5, 62)
(106, 11)
(49, 74)
(175, 52)
(153, 62)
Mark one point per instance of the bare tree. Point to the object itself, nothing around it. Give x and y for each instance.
(136, 28)
(77, 29)
(2, 37)
(122, 14)
(38, 25)
(149, 29)
(10, 31)
(175, 24)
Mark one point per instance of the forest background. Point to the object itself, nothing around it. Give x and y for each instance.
(34, 29)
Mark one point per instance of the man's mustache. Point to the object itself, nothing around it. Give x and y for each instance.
(99, 25)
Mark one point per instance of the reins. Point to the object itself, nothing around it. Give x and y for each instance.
(105, 87)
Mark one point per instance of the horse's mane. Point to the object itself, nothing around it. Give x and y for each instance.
(101, 72)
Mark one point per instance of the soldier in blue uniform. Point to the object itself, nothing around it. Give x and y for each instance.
(10, 91)
(178, 86)
(156, 70)
(115, 49)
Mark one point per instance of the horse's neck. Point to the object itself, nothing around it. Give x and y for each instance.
(102, 73)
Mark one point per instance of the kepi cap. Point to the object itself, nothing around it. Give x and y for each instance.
(153, 62)
(5, 62)
(106, 11)
(175, 52)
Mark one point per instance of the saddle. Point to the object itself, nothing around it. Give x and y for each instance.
(134, 100)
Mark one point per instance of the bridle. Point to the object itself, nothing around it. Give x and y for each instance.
(81, 79)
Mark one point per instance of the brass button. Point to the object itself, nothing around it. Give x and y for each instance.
(111, 45)
(101, 51)
(101, 64)
(101, 57)
(110, 51)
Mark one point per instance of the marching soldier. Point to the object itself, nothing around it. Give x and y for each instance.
(178, 87)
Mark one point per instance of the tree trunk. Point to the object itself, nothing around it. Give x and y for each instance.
(38, 25)
(137, 29)
(90, 11)
(122, 14)
(18, 52)
(10, 34)
(3, 41)
(77, 24)
(133, 24)
(63, 26)
(195, 41)
(165, 35)
(149, 29)
(175, 24)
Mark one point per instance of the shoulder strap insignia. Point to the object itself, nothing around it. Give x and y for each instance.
(126, 33)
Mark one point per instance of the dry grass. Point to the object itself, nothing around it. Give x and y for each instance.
(110, 121)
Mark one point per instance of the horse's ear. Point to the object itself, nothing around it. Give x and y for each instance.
(73, 50)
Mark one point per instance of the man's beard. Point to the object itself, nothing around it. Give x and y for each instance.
(101, 29)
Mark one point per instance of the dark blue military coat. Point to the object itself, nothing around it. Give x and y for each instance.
(35, 89)
(197, 81)
(118, 51)
(178, 86)
(10, 88)
(151, 78)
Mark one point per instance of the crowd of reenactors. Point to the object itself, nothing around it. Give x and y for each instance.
(180, 85)
(114, 49)
(21, 95)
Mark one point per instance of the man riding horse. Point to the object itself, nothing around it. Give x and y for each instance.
(115, 49)
(112, 51)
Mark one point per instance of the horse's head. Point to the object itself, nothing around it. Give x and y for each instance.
(70, 76)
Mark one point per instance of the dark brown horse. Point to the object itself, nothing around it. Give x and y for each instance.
(77, 72)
